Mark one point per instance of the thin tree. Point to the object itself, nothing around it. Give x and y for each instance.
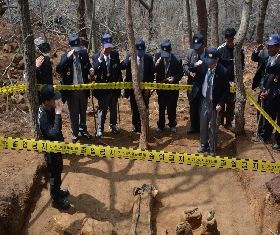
(238, 43)
(202, 18)
(93, 42)
(149, 8)
(262, 14)
(189, 20)
(81, 25)
(214, 9)
(143, 144)
(29, 61)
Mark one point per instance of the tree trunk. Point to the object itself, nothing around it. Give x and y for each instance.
(202, 18)
(238, 42)
(214, 9)
(143, 144)
(81, 22)
(260, 28)
(29, 62)
(151, 18)
(188, 10)
(93, 42)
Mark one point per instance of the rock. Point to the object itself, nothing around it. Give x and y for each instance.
(194, 219)
(18, 58)
(95, 227)
(209, 227)
(67, 224)
(274, 187)
(21, 64)
(7, 48)
(23, 107)
(184, 228)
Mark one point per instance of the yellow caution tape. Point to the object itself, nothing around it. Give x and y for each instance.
(265, 115)
(138, 154)
(112, 85)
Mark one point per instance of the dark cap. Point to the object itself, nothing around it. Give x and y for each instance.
(273, 39)
(165, 48)
(198, 41)
(107, 41)
(74, 42)
(47, 93)
(140, 47)
(210, 55)
(42, 46)
(230, 33)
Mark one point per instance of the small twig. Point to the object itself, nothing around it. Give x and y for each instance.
(270, 230)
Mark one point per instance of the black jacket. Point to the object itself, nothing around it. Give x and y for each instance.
(65, 68)
(220, 83)
(148, 75)
(226, 58)
(50, 124)
(175, 70)
(102, 75)
(44, 73)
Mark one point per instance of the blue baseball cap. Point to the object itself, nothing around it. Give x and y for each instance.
(140, 47)
(198, 41)
(47, 93)
(107, 41)
(165, 48)
(273, 39)
(210, 55)
(74, 42)
(230, 33)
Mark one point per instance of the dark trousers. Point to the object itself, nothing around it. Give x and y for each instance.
(277, 134)
(229, 108)
(167, 101)
(110, 101)
(136, 122)
(265, 129)
(55, 166)
(194, 112)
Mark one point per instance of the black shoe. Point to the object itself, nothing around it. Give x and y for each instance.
(63, 193)
(134, 129)
(158, 130)
(115, 129)
(60, 204)
(86, 134)
(173, 129)
(191, 131)
(202, 149)
(212, 152)
(229, 127)
(276, 146)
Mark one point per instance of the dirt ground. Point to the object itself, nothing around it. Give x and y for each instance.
(101, 188)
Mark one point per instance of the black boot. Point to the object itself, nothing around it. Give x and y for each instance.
(60, 204)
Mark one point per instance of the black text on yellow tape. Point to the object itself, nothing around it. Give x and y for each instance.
(138, 154)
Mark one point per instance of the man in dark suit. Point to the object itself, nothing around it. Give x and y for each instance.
(107, 69)
(169, 69)
(265, 80)
(146, 74)
(75, 67)
(195, 53)
(212, 78)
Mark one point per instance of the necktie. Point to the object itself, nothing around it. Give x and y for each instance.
(209, 85)
(77, 64)
(166, 66)
(108, 67)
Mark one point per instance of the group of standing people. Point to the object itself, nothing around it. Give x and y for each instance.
(210, 71)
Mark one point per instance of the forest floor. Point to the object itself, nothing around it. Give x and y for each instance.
(101, 188)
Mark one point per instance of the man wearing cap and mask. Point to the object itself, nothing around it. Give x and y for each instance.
(50, 122)
(146, 74)
(75, 67)
(226, 58)
(168, 69)
(266, 78)
(194, 54)
(43, 63)
(107, 69)
(215, 89)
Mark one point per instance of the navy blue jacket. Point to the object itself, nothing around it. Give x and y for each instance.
(274, 88)
(221, 86)
(175, 70)
(148, 75)
(65, 68)
(100, 70)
